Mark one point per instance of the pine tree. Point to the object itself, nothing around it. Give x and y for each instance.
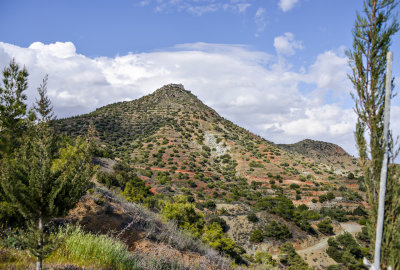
(43, 105)
(372, 35)
(14, 121)
(13, 110)
(45, 177)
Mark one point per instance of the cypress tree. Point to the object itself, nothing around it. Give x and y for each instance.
(372, 34)
(45, 177)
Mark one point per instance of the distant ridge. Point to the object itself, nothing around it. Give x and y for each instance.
(323, 151)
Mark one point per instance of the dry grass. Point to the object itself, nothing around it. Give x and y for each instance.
(167, 233)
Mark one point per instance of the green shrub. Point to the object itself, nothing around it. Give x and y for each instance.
(264, 258)
(290, 258)
(279, 232)
(136, 190)
(215, 237)
(221, 223)
(252, 217)
(325, 226)
(256, 236)
(344, 249)
(185, 215)
(335, 213)
(330, 196)
(272, 181)
(210, 205)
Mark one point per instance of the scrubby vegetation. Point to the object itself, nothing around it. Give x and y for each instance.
(345, 250)
(291, 259)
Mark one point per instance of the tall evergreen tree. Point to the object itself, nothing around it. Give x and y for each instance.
(13, 110)
(372, 33)
(45, 177)
(14, 121)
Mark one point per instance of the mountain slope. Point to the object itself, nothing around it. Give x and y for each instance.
(179, 146)
(172, 131)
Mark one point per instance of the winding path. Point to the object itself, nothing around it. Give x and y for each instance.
(350, 227)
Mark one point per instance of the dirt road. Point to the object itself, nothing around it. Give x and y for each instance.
(350, 227)
(315, 255)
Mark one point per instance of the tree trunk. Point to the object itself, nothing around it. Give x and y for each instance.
(40, 245)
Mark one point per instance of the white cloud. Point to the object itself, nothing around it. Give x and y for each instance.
(286, 44)
(287, 5)
(248, 87)
(198, 7)
(260, 21)
(327, 72)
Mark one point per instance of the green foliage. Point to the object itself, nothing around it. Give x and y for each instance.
(44, 178)
(85, 249)
(252, 217)
(220, 221)
(185, 216)
(285, 208)
(256, 236)
(121, 175)
(264, 258)
(13, 110)
(325, 226)
(372, 35)
(45, 175)
(210, 205)
(344, 249)
(335, 213)
(136, 190)
(215, 237)
(276, 231)
(255, 164)
(330, 196)
(9, 215)
(360, 211)
(290, 258)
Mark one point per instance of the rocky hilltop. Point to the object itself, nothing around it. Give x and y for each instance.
(318, 150)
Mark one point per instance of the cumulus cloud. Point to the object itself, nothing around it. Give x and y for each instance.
(328, 72)
(287, 5)
(243, 85)
(286, 44)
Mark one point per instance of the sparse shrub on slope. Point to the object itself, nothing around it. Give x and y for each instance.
(265, 259)
(215, 237)
(185, 216)
(284, 207)
(325, 226)
(291, 259)
(345, 250)
(279, 232)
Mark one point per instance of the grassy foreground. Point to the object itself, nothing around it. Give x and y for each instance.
(83, 250)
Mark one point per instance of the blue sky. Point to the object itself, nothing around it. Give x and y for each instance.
(108, 28)
(275, 67)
